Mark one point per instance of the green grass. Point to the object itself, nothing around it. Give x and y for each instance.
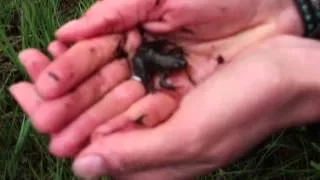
(291, 154)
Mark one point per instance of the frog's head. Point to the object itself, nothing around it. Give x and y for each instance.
(171, 63)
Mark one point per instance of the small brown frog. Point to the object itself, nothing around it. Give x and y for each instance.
(154, 57)
(150, 60)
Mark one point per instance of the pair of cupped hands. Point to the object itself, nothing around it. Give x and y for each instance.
(268, 82)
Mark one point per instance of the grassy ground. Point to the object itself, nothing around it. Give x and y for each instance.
(291, 154)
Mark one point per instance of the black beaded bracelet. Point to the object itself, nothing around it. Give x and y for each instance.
(310, 13)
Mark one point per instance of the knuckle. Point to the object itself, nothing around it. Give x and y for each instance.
(103, 82)
(111, 75)
(93, 117)
(122, 95)
(41, 125)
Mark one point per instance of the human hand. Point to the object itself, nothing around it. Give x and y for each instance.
(63, 114)
(263, 90)
(213, 32)
(93, 82)
(70, 138)
(201, 19)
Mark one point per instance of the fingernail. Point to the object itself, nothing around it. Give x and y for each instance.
(21, 55)
(13, 89)
(48, 85)
(89, 166)
(66, 28)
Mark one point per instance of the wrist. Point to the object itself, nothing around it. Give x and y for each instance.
(298, 63)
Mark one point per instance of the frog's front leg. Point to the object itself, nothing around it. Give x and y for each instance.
(140, 73)
(164, 83)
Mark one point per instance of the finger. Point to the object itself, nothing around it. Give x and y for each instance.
(200, 67)
(116, 124)
(69, 141)
(183, 84)
(150, 148)
(75, 65)
(150, 111)
(52, 115)
(180, 171)
(159, 27)
(168, 21)
(106, 17)
(26, 96)
(57, 48)
(133, 42)
(34, 62)
(136, 150)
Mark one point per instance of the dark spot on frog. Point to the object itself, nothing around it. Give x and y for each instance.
(157, 2)
(53, 76)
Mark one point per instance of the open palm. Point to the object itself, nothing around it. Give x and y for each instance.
(85, 86)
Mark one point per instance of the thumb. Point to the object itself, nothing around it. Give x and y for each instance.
(106, 17)
(134, 150)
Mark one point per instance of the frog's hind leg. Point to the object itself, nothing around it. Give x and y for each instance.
(164, 83)
(180, 53)
(147, 82)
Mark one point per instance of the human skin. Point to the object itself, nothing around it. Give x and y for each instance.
(279, 86)
(71, 70)
(278, 81)
(207, 20)
(66, 139)
(213, 25)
